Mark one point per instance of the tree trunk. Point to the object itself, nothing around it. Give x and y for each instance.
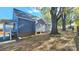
(70, 24)
(78, 30)
(63, 25)
(54, 22)
(64, 22)
(54, 18)
(54, 27)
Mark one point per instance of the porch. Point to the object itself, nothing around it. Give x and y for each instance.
(6, 30)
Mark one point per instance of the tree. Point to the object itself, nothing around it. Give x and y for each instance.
(55, 16)
(70, 16)
(64, 10)
(67, 13)
(45, 11)
(77, 19)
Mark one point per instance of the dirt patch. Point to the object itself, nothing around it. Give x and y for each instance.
(27, 43)
(43, 42)
(63, 42)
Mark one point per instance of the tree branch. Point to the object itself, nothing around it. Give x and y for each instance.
(59, 12)
(59, 17)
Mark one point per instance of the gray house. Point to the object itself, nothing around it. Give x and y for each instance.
(24, 25)
(42, 26)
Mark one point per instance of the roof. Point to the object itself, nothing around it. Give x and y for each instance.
(41, 21)
(7, 21)
(23, 15)
(26, 19)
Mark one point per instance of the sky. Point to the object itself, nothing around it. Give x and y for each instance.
(7, 12)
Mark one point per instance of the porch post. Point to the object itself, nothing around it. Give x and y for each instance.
(3, 31)
(10, 34)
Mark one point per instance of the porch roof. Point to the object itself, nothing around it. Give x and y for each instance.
(6, 21)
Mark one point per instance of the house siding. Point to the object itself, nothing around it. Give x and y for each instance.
(25, 27)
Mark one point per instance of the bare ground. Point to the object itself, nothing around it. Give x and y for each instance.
(43, 42)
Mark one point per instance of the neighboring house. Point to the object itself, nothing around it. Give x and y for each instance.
(42, 26)
(6, 30)
(25, 25)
